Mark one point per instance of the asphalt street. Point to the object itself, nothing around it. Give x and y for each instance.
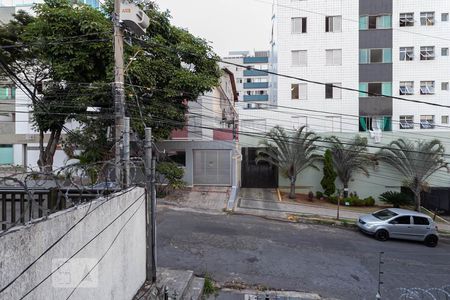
(334, 262)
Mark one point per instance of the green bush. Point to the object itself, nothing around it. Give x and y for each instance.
(329, 175)
(319, 194)
(353, 201)
(396, 199)
(169, 177)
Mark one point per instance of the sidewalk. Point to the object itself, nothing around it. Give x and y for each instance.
(271, 207)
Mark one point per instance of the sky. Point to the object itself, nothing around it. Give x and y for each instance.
(227, 24)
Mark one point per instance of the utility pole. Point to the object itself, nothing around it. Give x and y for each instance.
(119, 93)
(150, 208)
(126, 153)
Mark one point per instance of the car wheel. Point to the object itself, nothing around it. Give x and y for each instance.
(382, 235)
(431, 240)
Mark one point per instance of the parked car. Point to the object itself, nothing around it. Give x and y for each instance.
(400, 224)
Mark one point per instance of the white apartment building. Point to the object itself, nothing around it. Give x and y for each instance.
(377, 51)
(385, 47)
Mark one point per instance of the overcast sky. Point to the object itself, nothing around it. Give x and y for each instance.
(227, 24)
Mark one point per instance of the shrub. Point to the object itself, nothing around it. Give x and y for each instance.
(333, 199)
(369, 201)
(319, 195)
(353, 201)
(169, 177)
(329, 175)
(396, 199)
(310, 196)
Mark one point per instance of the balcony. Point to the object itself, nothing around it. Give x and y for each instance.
(256, 60)
(256, 85)
(248, 98)
(249, 73)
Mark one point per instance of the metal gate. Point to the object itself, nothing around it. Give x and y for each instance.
(212, 167)
(257, 175)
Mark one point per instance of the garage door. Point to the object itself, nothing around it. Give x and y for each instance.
(212, 167)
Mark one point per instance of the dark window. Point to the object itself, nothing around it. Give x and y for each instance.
(372, 22)
(294, 91)
(303, 25)
(178, 157)
(421, 221)
(384, 214)
(404, 220)
(328, 91)
(375, 88)
(376, 55)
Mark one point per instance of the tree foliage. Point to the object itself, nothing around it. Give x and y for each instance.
(291, 153)
(415, 161)
(71, 46)
(329, 175)
(350, 158)
(169, 177)
(396, 199)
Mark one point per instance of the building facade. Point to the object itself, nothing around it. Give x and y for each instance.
(381, 48)
(207, 147)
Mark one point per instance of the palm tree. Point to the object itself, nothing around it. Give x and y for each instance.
(416, 161)
(350, 158)
(291, 153)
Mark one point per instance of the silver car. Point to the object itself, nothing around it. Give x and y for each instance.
(400, 224)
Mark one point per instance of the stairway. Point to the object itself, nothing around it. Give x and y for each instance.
(180, 285)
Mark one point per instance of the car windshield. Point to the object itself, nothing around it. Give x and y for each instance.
(384, 214)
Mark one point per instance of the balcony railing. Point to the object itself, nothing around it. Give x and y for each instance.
(249, 73)
(256, 98)
(256, 60)
(256, 85)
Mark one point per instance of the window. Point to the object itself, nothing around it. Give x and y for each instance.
(406, 87)
(444, 51)
(333, 24)
(374, 89)
(444, 17)
(427, 87)
(444, 86)
(403, 220)
(427, 18)
(333, 91)
(427, 122)
(178, 157)
(299, 91)
(444, 119)
(406, 19)
(406, 53)
(427, 53)
(406, 122)
(7, 93)
(333, 57)
(299, 58)
(375, 56)
(420, 221)
(375, 22)
(298, 25)
(239, 80)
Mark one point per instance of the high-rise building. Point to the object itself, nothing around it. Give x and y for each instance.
(383, 48)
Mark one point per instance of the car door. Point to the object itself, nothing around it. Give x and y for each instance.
(420, 228)
(400, 227)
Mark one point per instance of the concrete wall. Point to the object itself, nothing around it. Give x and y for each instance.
(382, 178)
(118, 276)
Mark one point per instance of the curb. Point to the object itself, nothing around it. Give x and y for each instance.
(306, 219)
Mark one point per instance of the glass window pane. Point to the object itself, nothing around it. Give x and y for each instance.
(387, 88)
(376, 55)
(363, 23)
(363, 56)
(363, 88)
(387, 55)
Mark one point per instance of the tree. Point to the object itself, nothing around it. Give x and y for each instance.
(329, 175)
(350, 158)
(415, 161)
(291, 153)
(71, 45)
(53, 57)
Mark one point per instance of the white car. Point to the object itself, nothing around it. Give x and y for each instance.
(400, 224)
